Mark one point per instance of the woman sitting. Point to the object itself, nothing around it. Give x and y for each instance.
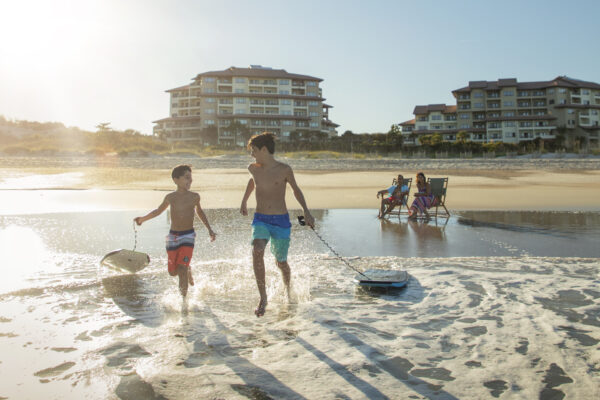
(424, 200)
(396, 194)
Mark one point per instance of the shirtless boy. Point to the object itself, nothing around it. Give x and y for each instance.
(181, 237)
(271, 219)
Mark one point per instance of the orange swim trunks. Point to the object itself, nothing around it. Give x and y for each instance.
(180, 247)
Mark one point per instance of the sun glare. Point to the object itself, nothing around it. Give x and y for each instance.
(23, 254)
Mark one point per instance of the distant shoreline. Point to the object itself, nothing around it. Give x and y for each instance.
(530, 162)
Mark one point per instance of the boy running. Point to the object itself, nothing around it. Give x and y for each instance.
(271, 218)
(181, 237)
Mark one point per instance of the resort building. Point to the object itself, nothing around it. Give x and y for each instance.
(509, 111)
(229, 106)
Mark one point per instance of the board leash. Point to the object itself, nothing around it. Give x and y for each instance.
(134, 236)
(302, 222)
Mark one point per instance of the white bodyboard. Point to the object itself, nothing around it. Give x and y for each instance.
(126, 260)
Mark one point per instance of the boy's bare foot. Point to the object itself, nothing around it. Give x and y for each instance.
(260, 310)
(190, 277)
(183, 279)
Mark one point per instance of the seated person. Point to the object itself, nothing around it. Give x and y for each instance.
(424, 200)
(395, 196)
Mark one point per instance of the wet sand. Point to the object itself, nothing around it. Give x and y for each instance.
(498, 305)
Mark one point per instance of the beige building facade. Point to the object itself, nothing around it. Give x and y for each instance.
(253, 100)
(511, 112)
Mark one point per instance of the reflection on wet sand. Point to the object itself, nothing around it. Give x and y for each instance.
(428, 229)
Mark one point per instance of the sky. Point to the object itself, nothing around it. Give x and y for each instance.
(84, 62)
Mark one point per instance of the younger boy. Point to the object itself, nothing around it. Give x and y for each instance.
(181, 237)
(271, 219)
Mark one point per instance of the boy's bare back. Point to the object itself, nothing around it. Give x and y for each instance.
(183, 206)
(270, 182)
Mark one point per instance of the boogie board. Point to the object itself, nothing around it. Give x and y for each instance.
(383, 279)
(126, 260)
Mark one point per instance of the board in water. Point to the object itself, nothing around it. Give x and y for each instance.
(126, 260)
(383, 279)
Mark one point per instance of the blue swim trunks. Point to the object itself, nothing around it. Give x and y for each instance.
(274, 227)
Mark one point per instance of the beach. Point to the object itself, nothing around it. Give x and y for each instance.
(502, 299)
(115, 183)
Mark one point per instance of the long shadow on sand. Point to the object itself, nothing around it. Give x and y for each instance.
(259, 383)
(397, 367)
(136, 296)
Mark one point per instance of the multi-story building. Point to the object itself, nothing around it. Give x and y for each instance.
(257, 98)
(510, 111)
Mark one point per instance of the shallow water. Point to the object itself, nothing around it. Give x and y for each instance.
(499, 304)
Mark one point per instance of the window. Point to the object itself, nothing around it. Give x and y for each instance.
(562, 101)
(313, 103)
(284, 82)
(551, 101)
(240, 100)
(240, 91)
(208, 80)
(508, 93)
(285, 102)
(477, 95)
(313, 114)
(209, 122)
(287, 123)
(586, 92)
(284, 92)
(209, 111)
(509, 104)
(550, 91)
(509, 114)
(269, 82)
(464, 126)
(285, 112)
(570, 111)
(422, 127)
(509, 124)
(562, 90)
(240, 111)
(210, 100)
(243, 121)
(436, 117)
(422, 118)
(311, 83)
(240, 80)
(464, 116)
(208, 90)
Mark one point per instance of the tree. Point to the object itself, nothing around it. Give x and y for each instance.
(210, 134)
(241, 133)
(394, 136)
(462, 136)
(436, 139)
(103, 127)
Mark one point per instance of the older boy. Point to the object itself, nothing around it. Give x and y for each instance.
(181, 237)
(271, 219)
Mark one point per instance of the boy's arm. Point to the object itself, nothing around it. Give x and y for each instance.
(154, 213)
(310, 221)
(204, 220)
(249, 189)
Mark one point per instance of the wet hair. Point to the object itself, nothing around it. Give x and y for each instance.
(262, 140)
(180, 170)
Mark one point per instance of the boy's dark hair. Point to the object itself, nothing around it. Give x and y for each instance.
(262, 140)
(180, 170)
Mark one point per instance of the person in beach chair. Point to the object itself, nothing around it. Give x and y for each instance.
(395, 195)
(424, 199)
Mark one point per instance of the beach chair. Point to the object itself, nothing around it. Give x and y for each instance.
(439, 187)
(404, 201)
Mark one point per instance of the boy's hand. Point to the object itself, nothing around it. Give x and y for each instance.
(138, 220)
(212, 235)
(244, 209)
(310, 221)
